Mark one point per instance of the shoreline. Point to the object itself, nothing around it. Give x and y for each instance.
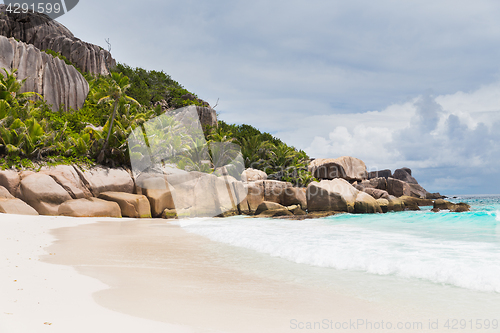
(150, 275)
(160, 272)
(167, 274)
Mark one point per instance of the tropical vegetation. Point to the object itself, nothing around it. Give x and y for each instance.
(32, 135)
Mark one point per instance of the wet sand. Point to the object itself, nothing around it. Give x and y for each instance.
(158, 271)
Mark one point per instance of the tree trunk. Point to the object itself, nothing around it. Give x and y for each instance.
(111, 125)
(100, 158)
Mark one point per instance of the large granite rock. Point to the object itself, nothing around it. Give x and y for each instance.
(158, 192)
(384, 205)
(67, 177)
(386, 173)
(42, 192)
(331, 195)
(255, 195)
(198, 194)
(404, 175)
(99, 180)
(395, 204)
(5, 194)
(274, 190)
(271, 209)
(207, 115)
(376, 183)
(231, 192)
(89, 207)
(16, 206)
(58, 83)
(366, 204)
(10, 180)
(131, 205)
(277, 191)
(295, 196)
(441, 204)
(376, 193)
(346, 167)
(436, 195)
(44, 33)
(412, 201)
(251, 175)
(399, 188)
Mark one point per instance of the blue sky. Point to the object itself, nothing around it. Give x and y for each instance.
(394, 83)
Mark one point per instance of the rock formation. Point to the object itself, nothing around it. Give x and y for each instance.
(207, 115)
(42, 192)
(269, 208)
(404, 175)
(366, 204)
(346, 167)
(68, 190)
(386, 173)
(131, 205)
(159, 198)
(331, 195)
(99, 180)
(59, 83)
(11, 205)
(251, 175)
(45, 33)
(441, 204)
(89, 207)
(10, 180)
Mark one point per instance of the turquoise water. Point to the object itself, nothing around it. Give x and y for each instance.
(456, 249)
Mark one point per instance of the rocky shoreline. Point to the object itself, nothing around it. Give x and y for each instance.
(344, 187)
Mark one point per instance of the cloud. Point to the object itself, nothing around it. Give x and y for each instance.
(330, 77)
(446, 150)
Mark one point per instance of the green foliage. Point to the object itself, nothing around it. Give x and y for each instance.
(149, 87)
(262, 151)
(10, 86)
(31, 134)
(30, 130)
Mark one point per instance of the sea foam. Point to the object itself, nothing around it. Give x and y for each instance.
(369, 244)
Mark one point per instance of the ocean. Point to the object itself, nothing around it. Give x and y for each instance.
(447, 259)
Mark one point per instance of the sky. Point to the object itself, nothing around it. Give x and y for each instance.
(395, 83)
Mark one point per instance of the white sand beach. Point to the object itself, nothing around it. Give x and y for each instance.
(41, 297)
(123, 275)
(193, 293)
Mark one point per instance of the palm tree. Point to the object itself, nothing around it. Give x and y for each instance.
(10, 86)
(115, 91)
(255, 151)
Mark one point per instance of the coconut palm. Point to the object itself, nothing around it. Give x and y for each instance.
(114, 92)
(255, 151)
(10, 86)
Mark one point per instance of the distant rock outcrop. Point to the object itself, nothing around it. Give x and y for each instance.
(404, 174)
(386, 173)
(44, 33)
(59, 83)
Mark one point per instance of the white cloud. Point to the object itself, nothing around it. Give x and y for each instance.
(304, 70)
(428, 133)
